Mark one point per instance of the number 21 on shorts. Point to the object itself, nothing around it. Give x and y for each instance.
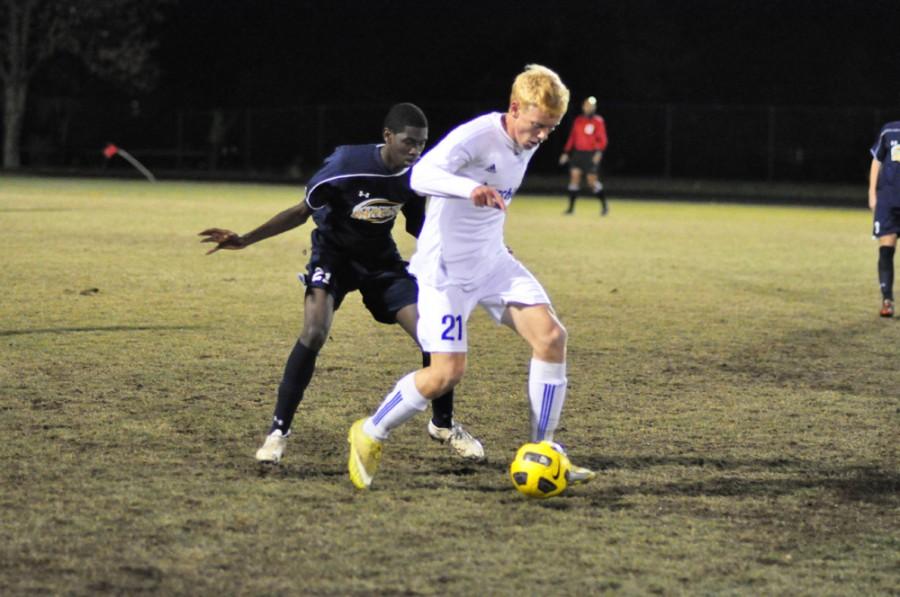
(453, 327)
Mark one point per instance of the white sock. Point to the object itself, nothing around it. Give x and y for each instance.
(547, 393)
(398, 406)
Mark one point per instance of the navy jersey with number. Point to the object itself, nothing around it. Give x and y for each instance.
(355, 200)
(887, 151)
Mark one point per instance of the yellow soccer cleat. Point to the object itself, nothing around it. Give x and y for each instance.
(365, 454)
(576, 475)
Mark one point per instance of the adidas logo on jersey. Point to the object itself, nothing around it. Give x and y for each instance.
(492, 168)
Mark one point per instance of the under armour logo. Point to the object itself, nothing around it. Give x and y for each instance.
(364, 194)
(491, 168)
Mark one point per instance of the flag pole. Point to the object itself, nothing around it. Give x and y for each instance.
(110, 150)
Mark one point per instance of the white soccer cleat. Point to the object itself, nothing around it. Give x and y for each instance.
(462, 442)
(273, 448)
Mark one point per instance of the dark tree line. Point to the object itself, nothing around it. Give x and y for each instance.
(111, 39)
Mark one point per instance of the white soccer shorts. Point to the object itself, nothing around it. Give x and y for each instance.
(444, 312)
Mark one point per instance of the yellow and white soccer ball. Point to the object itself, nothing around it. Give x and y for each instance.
(540, 470)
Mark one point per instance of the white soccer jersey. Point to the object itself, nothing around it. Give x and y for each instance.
(460, 242)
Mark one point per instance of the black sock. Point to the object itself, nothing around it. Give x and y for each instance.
(297, 373)
(573, 195)
(886, 271)
(602, 197)
(441, 407)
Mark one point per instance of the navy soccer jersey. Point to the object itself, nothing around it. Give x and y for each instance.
(355, 200)
(887, 151)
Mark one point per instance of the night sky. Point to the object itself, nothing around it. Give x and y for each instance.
(240, 53)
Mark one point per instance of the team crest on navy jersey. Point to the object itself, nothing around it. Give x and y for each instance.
(376, 211)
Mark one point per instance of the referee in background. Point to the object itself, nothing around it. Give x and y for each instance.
(583, 152)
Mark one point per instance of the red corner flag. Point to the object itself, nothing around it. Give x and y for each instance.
(112, 150)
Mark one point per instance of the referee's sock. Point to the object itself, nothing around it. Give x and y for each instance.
(297, 372)
(601, 195)
(573, 195)
(886, 271)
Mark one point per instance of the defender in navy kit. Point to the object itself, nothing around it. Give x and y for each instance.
(884, 201)
(354, 200)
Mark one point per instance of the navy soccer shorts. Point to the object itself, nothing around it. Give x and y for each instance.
(887, 218)
(386, 286)
(583, 160)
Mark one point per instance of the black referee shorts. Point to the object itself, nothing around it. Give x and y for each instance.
(584, 161)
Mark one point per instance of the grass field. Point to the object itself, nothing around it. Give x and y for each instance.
(728, 374)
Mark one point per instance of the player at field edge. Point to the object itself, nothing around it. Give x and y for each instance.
(354, 199)
(584, 151)
(884, 201)
(461, 261)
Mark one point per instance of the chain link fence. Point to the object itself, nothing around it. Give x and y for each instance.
(755, 143)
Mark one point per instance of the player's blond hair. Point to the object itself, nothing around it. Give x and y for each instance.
(542, 88)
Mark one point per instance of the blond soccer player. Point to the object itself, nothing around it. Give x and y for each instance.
(461, 261)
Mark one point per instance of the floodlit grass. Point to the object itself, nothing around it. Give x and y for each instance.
(728, 373)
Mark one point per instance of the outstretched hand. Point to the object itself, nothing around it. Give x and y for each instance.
(224, 239)
(485, 196)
